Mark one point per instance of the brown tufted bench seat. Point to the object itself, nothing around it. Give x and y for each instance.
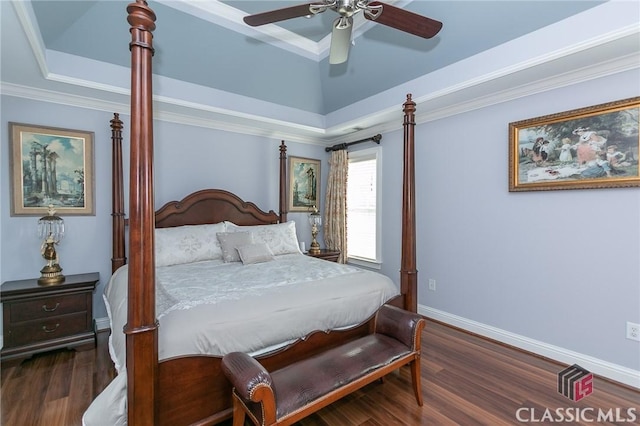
(289, 394)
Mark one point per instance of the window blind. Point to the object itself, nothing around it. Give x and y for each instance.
(361, 208)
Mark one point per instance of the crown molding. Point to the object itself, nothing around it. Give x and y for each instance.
(451, 101)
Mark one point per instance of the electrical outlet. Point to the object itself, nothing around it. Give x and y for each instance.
(432, 284)
(633, 331)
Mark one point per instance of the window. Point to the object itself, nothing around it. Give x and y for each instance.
(363, 195)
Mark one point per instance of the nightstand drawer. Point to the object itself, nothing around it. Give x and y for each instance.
(47, 307)
(47, 329)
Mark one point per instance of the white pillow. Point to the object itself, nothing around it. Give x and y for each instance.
(255, 253)
(187, 244)
(281, 238)
(230, 241)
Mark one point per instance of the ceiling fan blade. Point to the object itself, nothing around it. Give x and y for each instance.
(278, 15)
(340, 40)
(404, 20)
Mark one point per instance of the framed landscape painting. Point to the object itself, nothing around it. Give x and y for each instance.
(51, 166)
(586, 148)
(304, 178)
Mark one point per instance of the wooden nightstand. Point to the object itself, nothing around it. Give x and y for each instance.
(326, 254)
(39, 318)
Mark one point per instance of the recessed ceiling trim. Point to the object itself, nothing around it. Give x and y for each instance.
(231, 18)
(501, 61)
(446, 98)
(163, 112)
(60, 98)
(452, 100)
(382, 121)
(256, 119)
(28, 19)
(246, 128)
(529, 63)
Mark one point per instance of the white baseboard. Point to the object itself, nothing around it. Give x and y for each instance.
(599, 367)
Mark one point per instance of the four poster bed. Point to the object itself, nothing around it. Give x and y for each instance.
(165, 383)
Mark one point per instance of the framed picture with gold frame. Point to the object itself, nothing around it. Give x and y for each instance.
(304, 182)
(586, 148)
(51, 166)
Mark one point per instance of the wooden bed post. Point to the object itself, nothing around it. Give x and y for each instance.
(408, 271)
(117, 202)
(283, 182)
(142, 327)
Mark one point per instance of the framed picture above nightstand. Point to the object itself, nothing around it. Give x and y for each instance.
(326, 254)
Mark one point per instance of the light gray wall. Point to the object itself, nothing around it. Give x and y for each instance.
(86, 246)
(559, 267)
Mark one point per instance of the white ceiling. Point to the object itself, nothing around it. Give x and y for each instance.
(213, 70)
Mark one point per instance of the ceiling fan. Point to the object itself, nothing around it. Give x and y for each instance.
(377, 11)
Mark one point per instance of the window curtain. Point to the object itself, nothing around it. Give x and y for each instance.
(335, 212)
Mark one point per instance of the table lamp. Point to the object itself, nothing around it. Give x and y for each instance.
(315, 219)
(51, 230)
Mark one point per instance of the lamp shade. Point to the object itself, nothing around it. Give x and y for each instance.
(315, 218)
(51, 231)
(51, 226)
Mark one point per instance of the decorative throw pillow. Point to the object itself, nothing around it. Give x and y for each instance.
(281, 238)
(187, 244)
(230, 241)
(255, 253)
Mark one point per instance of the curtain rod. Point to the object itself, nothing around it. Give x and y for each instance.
(340, 146)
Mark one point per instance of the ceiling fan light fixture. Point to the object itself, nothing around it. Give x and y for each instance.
(340, 40)
(375, 10)
(347, 8)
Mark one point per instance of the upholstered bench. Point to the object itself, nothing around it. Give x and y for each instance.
(287, 395)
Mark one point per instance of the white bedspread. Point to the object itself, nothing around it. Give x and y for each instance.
(216, 308)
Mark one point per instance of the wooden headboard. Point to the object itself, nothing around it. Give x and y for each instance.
(212, 206)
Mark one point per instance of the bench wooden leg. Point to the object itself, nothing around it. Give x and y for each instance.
(415, 378)
(238, 413)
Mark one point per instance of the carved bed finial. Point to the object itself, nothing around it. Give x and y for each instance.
(409, 107)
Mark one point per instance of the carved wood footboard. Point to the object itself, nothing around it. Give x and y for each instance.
(194, 391)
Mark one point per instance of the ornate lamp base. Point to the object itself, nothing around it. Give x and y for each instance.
(314, 248)
(51, 274)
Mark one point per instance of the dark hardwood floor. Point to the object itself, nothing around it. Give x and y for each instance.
(466, 380)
